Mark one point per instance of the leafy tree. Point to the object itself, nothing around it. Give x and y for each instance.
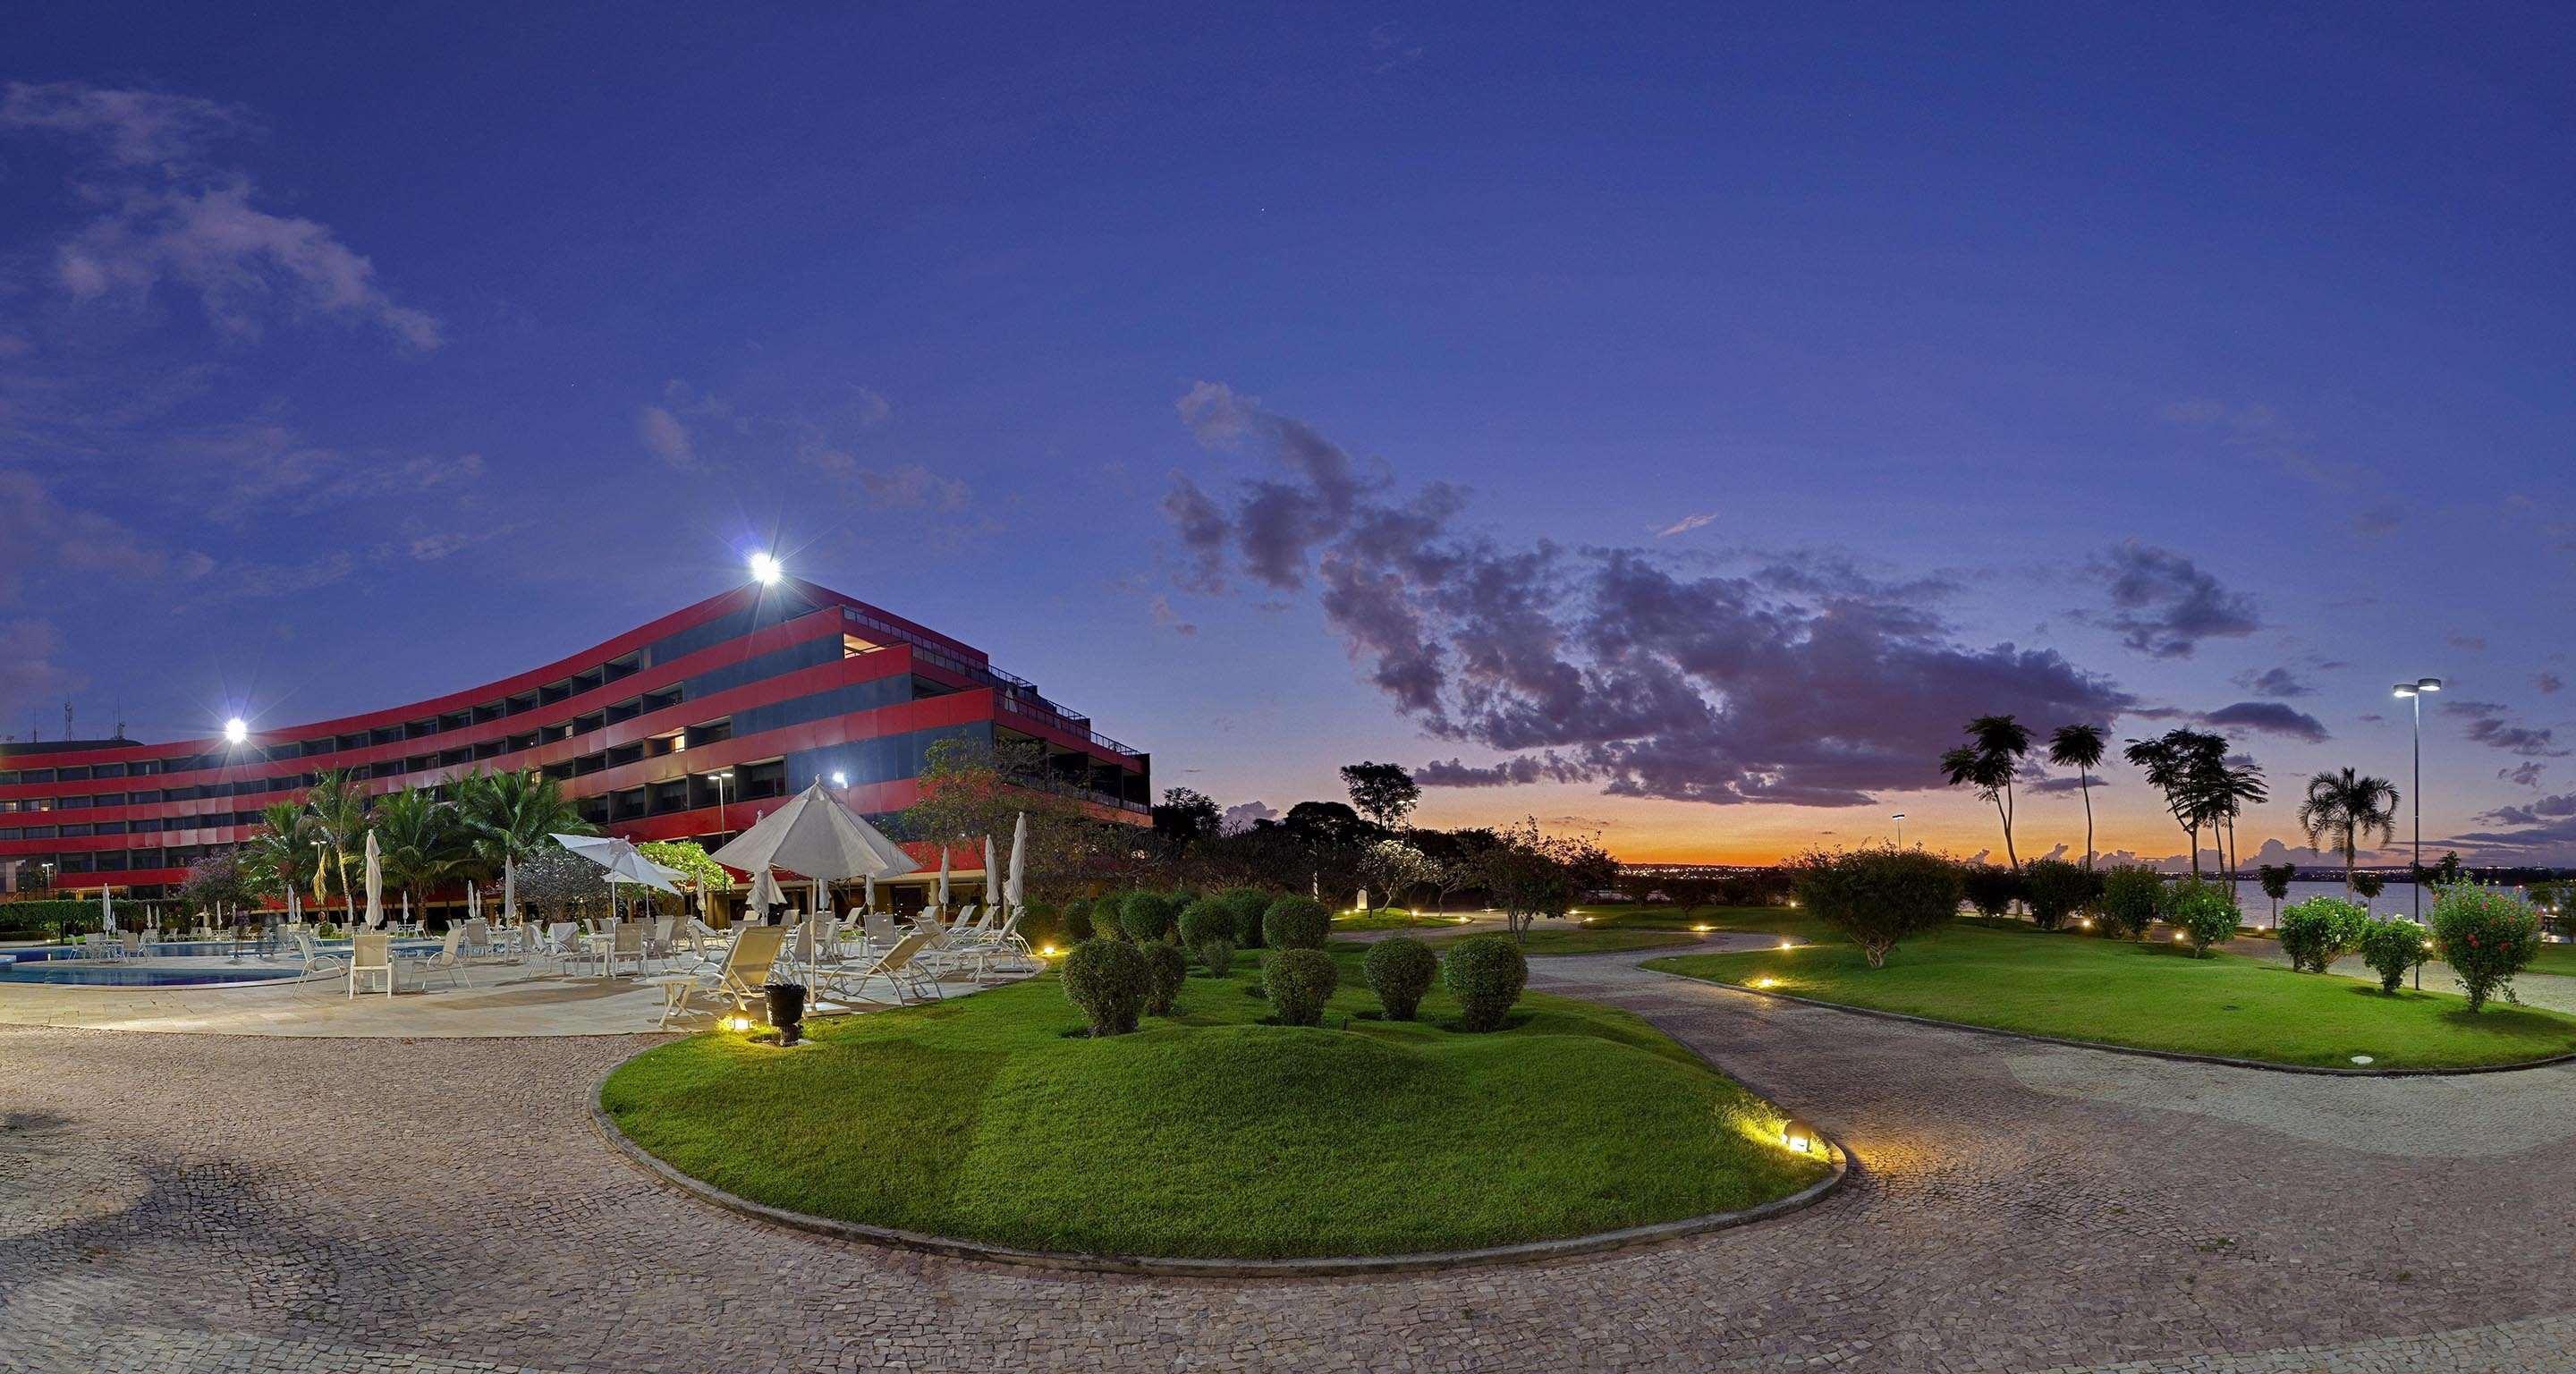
(1991, 890)
(2080, 747)
(2487, 935)
(2226, 791)
(283, 852)
(2131, 896)
(216, 882)
(2347, 808)
(2188, 766)
(2203, 912)
(1328, 823)
(1383, 792)
(1391, 865)
(970, 789)
(509, 819)
(1877, 897)
(1532, 874)
(562, 885)
(691, 859)
(338, 806)
(1988, 762)
(2368, 886)
(2276, 880)
(1187, 814)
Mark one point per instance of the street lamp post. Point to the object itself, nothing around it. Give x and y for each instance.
(720, 779)
(1899, 818)
(2414, 693)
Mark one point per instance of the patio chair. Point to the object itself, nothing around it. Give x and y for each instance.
(371, 953)
(129, 944)
(316, 958)
(448, 959)
(900, 968)
(883, 934)
(735, 982)
(625, 946)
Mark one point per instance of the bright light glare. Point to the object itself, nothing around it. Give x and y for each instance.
(236, 730)
(840, 779)
(765, 569)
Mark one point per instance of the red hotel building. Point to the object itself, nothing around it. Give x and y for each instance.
(680, 729)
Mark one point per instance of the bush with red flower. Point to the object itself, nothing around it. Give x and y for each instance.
(2487, 935)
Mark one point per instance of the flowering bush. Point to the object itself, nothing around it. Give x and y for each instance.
(2390, 948)
(2321, 930)
(2203, 912)
(2486, 935)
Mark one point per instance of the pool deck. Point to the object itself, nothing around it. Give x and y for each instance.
(497, 1001)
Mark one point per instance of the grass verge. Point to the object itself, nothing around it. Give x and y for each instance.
(1208, 1134)
(2151, 995)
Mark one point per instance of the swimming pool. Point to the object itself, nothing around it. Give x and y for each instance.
(93, 973)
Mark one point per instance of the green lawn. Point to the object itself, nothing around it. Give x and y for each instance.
(1208, 1134)
(1387, 918)
(2151, 995)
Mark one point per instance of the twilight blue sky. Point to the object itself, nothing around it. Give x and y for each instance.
(1668, 414)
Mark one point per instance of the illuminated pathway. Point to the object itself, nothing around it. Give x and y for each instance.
(183, 1202)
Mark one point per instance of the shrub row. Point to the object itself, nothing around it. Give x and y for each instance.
(1114, 982)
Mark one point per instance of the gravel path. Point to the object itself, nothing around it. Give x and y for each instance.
(180, 1203)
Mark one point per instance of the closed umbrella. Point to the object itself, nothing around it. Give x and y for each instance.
(375, 883)
(406, 916)
(870, 898)
(943, 877)
(992, 874)
(765, 893)
(1015, 892)
(106, 911)
(510, 894)
(473, 901)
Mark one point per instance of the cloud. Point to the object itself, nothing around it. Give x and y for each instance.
(29, 676)
(2273, 682)
(910, 486)
(2270, 717)
(2540, 812)
(1170, 619)
(1243, 815)
(2523, 774)
(1686, 524)
(1806, 683)
(2470, 643)
(2490, 723)
(666, 438)
(164, 216)
(2163, 605)
(2548, 683)
(2062, 782)
(40, 533)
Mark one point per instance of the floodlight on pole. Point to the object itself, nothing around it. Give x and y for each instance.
(236, 731)
(2414, 694)
(1899, 818)
(765, 569)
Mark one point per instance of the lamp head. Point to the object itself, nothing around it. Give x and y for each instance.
(236, 731)
(2404, 689)
(840, 779)
(765, 569)
(2429, 684)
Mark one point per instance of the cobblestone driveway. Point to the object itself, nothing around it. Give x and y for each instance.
(181, 1203)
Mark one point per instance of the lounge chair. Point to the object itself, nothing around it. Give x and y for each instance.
(736, 982)
(316, 958)
(899, 967)
(371, 953)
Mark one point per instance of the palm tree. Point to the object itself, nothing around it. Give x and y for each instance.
(2185, 765)
(1987, 763)
(338, 807)
(507, 818)
(2347, 807)
(421, 843)
(2227, 792)
(2080, 747)
(275, 856)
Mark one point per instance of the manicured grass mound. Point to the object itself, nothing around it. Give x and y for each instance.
(2153, 995)
(1556, 939)
(1211, 1134)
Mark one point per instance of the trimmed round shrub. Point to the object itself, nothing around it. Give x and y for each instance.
(1876, 897)
(2391, 947)
(1165, 968)
(1148, 915)
(2487, 935)
(1299, 982)
(2319, 931)
(1989, 889)
(1207, 930)
(2203, 912)
(1073, 922)
(1108, 979)
(1486, 974)
(1295, 923)
(1399, 971)
(2056, 889)
(2131, 894)
(1249, 905)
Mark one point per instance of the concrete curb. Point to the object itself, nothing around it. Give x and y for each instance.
(1171, 1267)
(2177, 1056)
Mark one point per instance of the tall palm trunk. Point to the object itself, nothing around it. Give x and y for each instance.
(2086, 780)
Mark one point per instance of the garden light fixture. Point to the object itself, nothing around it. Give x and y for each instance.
(1800, 1137)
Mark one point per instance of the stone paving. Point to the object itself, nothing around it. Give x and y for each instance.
(234, 1203)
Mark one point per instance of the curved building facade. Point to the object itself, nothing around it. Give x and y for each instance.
(685, 728)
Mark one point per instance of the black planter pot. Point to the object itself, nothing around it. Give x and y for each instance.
(786, 1010)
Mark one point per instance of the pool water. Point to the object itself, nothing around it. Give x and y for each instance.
(116, 975)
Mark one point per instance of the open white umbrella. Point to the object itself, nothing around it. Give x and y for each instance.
(1015, 891)
(106, 911)
(623, 862)
(813, 834)
(375, 883)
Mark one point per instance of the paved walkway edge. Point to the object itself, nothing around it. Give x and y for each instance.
(1327, 1266)
(2178, 1056)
